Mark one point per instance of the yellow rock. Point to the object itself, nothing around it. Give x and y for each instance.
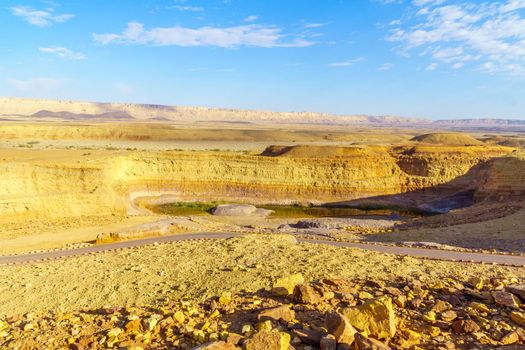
(400, 301)
(225, 298)
(434, 331)
(410, 338)
(3, 325)
(375, 317)
(179, 317)
(268, 340)
(205, 326)
(246, 329)
(265, 325)
(479, 307)
(430, 316)
(114, 332)
(518, 317)
(199, 336)
(215, 314)
(365, 295)
(285, 286)
(476, 283)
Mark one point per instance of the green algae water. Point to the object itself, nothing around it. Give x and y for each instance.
(287, 211)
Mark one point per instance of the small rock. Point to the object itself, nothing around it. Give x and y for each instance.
(518, 317)
(306, 294)
(328, 342)
(133, 326)
(448, 316)
(217, 345)
(440, 306)
(476, 283)
(480, 307)
(233, 338)
(277, 313)
(465, 326)
(339, 326)
(375, 317)
(225, 298)
(268, 340)
(517, 289)
(506, 299)
(510, 338)
(363, 343)
(309, 336)
(286, 285)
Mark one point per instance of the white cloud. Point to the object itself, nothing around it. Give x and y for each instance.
(489, 34)
(348, 63)
(385, 66)
(432, 66)
(40, 18)
(63, 52)
(186, 8)
(251, 19)
(315, 25)
(228, 37)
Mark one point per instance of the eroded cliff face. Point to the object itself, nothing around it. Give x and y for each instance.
(257, 178)
(73, 186)
(44, 191)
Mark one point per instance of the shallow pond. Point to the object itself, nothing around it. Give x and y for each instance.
(287, 211)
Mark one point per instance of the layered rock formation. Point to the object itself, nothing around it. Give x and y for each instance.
(72, 187)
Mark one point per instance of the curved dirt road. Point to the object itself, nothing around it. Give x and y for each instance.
(414, 252)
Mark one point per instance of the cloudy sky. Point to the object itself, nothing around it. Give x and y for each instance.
(421, 58)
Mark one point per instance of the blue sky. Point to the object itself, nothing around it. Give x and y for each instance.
(419, 58)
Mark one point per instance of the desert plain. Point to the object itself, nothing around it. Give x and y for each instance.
(267, 192)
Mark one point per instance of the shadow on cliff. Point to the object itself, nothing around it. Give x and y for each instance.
(489, 190)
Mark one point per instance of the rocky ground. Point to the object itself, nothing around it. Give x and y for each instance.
(328, 314)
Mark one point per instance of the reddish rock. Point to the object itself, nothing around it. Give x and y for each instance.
(465, 326)
(277, 313)
(306, 294)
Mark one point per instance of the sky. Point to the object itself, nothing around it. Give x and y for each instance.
(436, 59)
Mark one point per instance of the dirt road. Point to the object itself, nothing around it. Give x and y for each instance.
(414, 252)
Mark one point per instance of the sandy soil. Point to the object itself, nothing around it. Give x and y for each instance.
(202, 268)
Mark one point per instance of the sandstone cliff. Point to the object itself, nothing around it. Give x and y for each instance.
(72, 186)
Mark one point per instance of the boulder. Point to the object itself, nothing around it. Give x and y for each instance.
(375, 317)
(239, 210)
(339, 326)
(286, 285)
(268, 340)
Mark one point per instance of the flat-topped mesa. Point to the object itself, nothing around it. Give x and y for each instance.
(27, 107)
(309, 151)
